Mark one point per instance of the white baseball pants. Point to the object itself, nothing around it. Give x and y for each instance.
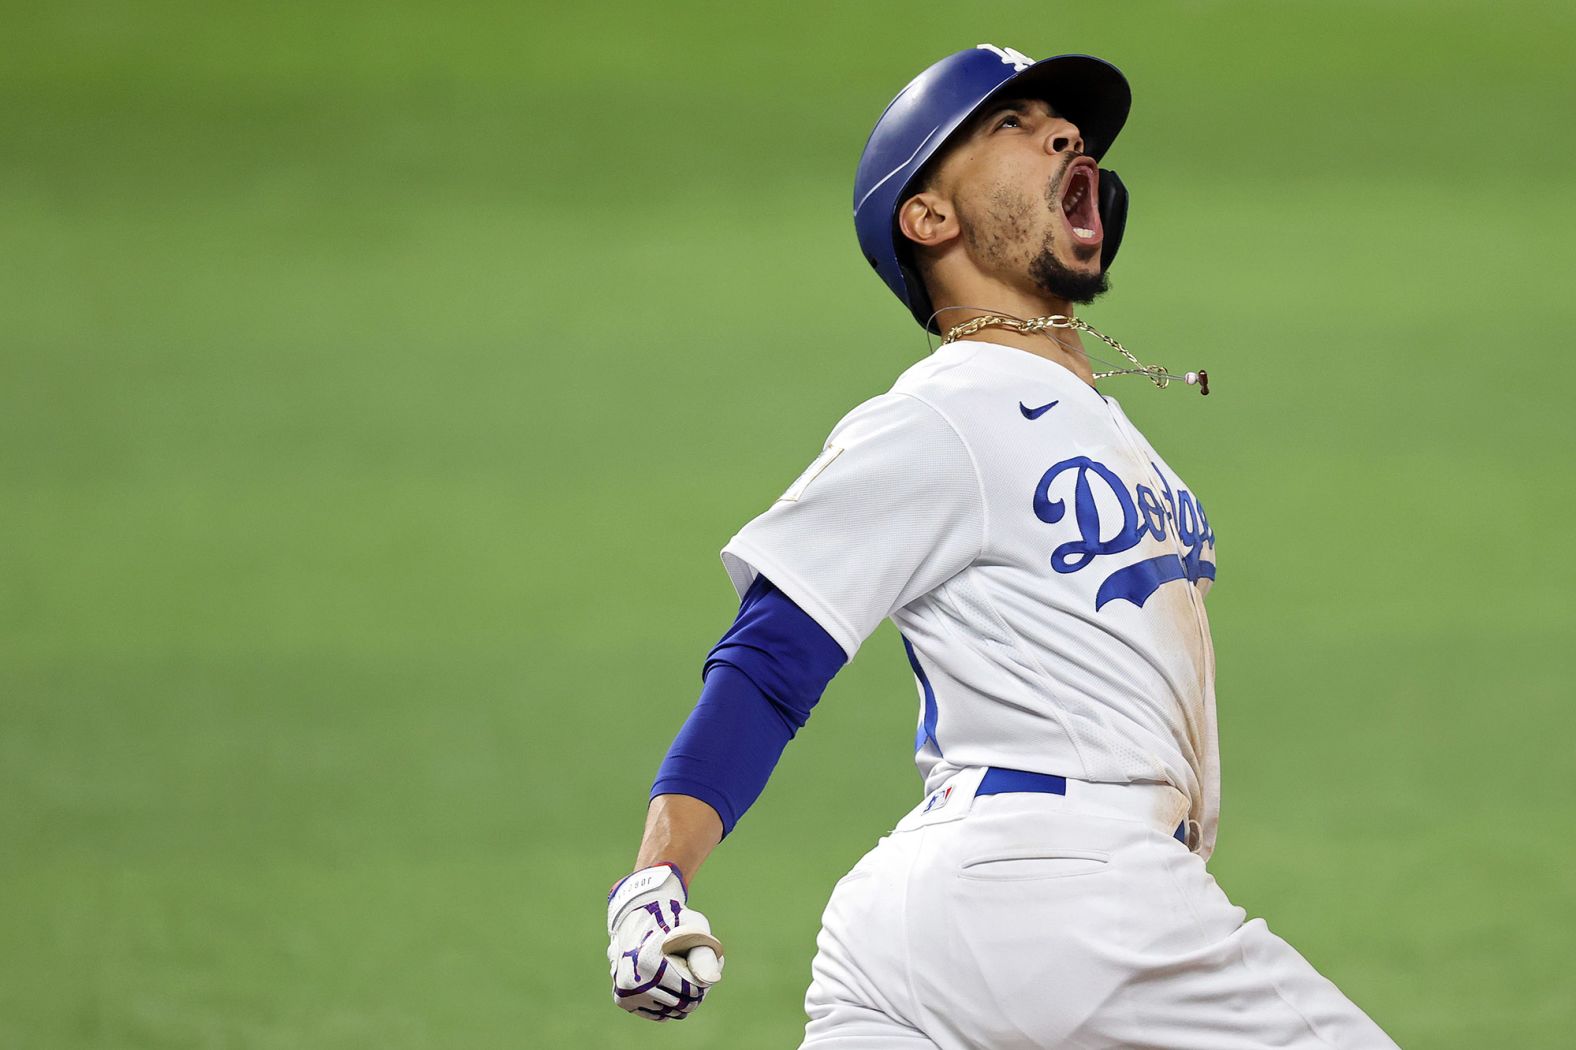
(1034, 921)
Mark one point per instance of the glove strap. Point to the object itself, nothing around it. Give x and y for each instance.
(639, 884)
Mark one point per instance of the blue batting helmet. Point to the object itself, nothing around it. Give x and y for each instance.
(1088, 91)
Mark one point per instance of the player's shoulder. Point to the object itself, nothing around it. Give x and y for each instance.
(910, 415)
(971, 384)
(957, 370)
(964, 388)
(895, 415)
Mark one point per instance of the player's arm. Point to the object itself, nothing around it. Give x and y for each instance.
(680, 830)
(761, 682)
(890, 510)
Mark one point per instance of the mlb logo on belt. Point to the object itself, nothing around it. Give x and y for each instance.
(938, 799)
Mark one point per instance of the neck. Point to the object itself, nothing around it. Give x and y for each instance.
(1061, 345)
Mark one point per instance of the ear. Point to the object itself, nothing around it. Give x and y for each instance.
(928, 219)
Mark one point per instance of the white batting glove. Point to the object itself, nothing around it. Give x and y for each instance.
(662, 954)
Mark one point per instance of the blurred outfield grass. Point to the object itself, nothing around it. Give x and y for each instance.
(378, 381)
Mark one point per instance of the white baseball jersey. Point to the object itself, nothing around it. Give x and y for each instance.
(1044, 565)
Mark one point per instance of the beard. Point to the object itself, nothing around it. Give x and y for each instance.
(1076, 286)
(1047, 271)
(996, 230)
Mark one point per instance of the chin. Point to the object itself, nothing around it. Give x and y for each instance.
(1078, 283)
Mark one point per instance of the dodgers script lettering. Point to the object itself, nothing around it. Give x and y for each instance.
(1144, 513)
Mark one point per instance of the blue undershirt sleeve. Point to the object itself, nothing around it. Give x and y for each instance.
(760, 683)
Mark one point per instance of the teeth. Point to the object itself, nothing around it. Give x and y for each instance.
(1080, 231)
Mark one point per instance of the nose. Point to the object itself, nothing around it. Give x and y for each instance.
(1063, 135)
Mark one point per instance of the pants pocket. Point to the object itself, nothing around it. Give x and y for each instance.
(1034, 863)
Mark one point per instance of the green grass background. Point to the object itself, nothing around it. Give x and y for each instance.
(379, 380)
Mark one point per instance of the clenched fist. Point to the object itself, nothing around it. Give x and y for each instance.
(662, 954)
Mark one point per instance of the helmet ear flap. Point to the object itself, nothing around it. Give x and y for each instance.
(1113, 215)
(919, 296)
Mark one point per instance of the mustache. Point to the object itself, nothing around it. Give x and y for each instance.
(1053, 189)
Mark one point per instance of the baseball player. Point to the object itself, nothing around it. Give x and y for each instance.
(1047, 571)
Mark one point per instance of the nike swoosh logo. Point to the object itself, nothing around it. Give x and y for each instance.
(1036, 413)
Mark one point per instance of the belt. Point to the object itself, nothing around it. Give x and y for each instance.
(1005, 781)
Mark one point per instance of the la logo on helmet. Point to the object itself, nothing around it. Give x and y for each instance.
(1011, 56)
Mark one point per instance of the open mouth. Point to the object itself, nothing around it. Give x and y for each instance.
(1079, 186)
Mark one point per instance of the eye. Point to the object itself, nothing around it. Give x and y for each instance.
(1009, 120)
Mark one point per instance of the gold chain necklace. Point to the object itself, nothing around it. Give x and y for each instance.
(1156, 374)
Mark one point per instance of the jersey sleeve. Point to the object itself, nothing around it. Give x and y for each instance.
(891, 509)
